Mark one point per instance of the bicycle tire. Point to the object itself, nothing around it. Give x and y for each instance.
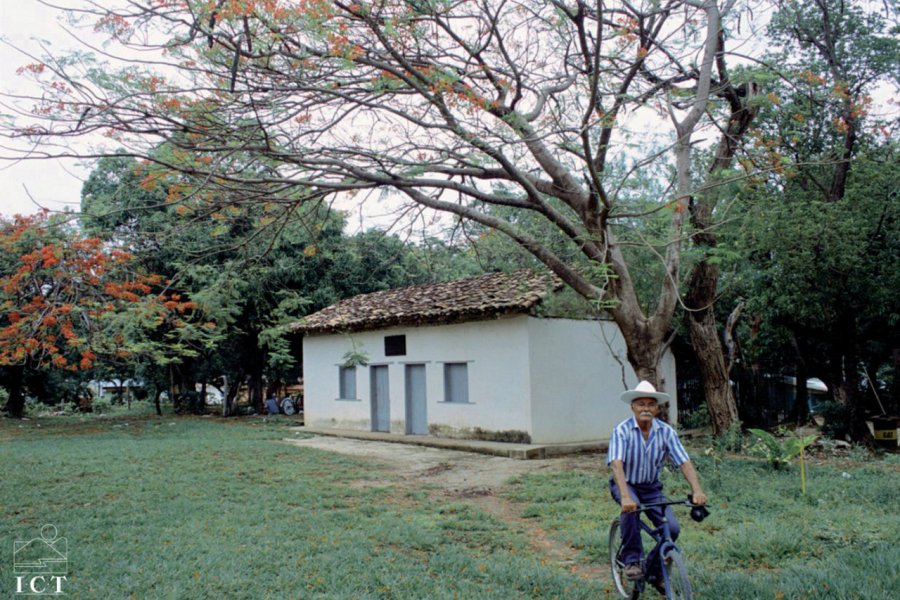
(624, 586)
(679, 584)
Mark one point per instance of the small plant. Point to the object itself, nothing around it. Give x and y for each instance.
(780, 452)
(67, 408)
(716, 456)
(355, 356)
(859, 453)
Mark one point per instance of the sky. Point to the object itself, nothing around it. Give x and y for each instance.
(30, 185)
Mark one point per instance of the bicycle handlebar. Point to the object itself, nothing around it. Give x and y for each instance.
(698, 511)
(688, 502)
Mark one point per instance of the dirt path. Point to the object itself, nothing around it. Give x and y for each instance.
(475, 478)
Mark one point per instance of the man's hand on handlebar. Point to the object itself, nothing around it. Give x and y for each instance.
(628, 505)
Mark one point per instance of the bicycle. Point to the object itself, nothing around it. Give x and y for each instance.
(675, 578)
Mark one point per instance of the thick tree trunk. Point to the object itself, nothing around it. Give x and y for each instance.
(711, 361)
(703, 280)
(643, 355)
(229, 396)
(15, 404)
(800, 412)
(704, 333)
(255, 370)
(255, 391)
(643, 348)
(844, 386)
(894, 405)
(173, 392)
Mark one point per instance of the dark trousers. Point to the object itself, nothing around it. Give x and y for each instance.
(643, 493)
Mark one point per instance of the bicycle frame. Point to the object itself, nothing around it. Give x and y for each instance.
(664, 547)
(663, 537)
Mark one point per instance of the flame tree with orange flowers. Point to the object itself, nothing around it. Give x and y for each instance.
(68, 302)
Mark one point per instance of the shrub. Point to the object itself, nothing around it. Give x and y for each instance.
(837, 420)
(695, 419)
(730, 440)
(101, 405)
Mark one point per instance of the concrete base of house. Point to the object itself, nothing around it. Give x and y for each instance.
(508, 450)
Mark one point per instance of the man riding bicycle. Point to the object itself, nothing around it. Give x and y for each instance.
(638, 450)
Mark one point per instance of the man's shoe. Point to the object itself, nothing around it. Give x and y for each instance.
(633, 571)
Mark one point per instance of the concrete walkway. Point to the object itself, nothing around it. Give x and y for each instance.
(508, 450)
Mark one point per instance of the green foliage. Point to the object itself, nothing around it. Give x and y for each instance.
(356, 356)
(568, 304)
(779, 452)
(837, 420)
(696, 419)
(816, 261)
(730, 440)
(36, 408)
(252, 269)
(101, 405)
(72, 303)
(861, 41)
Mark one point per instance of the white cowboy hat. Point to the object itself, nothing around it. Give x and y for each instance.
(644, 389)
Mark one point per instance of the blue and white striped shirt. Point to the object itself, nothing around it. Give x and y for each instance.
(644, 459)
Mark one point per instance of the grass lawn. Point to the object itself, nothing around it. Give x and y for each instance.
(206, 508)
(764, 539)
(210, 508)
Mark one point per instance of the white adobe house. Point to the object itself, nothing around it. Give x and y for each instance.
(467, 359)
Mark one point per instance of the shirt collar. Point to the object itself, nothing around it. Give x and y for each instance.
(653, 426)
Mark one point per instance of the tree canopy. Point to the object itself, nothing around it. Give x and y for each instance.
(69, 301)
(600, 137)
(248, 279)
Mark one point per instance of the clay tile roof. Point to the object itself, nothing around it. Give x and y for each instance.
(485, 297)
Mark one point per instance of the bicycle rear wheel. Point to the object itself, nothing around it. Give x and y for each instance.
(625, 587)
(679, 585)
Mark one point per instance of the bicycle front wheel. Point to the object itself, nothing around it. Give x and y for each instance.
(679, 586)
(624, 586)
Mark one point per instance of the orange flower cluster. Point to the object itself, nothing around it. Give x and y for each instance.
(56, 300)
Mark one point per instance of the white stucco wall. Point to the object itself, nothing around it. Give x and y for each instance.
(495, 351)
(578, 370)
(558, 380)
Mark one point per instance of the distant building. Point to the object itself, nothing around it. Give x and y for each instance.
(467, 358)
(115, 388)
